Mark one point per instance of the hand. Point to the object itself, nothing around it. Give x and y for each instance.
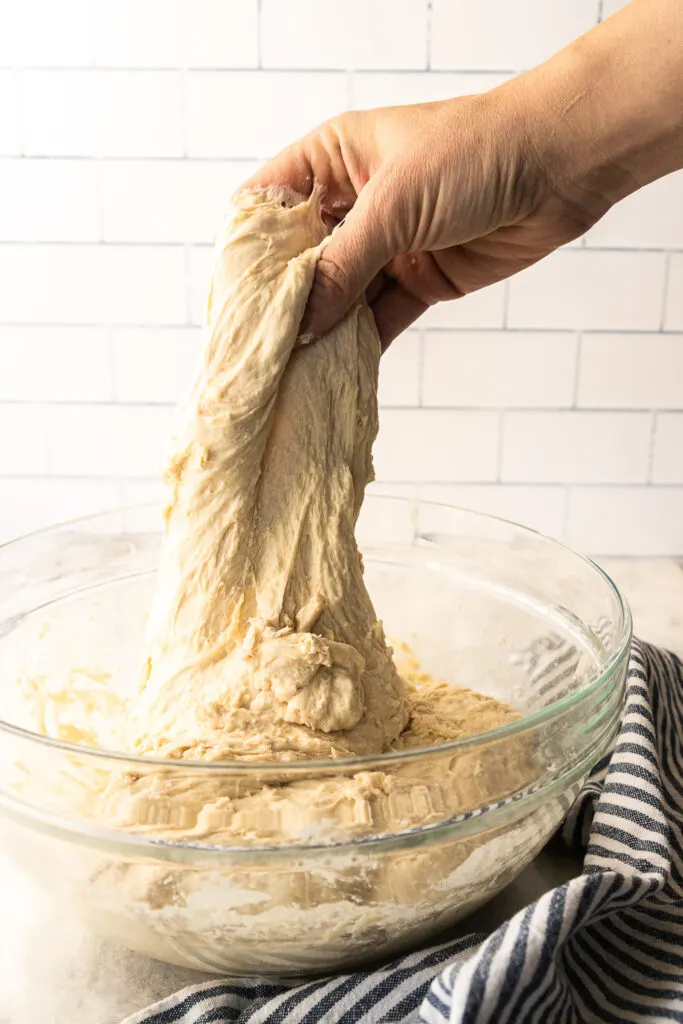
(437, 200)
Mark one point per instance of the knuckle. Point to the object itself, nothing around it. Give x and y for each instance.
(332, 278)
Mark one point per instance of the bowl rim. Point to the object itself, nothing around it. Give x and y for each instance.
(366, 761)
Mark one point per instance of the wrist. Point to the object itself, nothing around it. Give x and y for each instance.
(605, 115)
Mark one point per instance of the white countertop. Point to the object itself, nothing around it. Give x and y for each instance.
(654, 591)
(57, 972)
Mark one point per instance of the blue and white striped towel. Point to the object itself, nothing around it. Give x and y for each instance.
(605, 947)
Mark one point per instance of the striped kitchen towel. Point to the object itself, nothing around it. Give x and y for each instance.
(605, 947)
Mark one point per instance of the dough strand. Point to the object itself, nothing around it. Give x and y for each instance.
(263, 639)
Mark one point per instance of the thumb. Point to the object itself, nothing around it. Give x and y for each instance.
(357, 250)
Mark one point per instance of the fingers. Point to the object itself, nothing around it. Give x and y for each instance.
(394, 310)
(316, 159)
(411, 283)
(355, 254)
(291, 169)
(352, 261)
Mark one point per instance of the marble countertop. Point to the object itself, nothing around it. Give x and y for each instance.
(654, 591)
(55, 971)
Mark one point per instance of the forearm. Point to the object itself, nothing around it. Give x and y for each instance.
(606, 113)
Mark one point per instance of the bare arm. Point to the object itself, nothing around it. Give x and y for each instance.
(609, 107)
(441, 199)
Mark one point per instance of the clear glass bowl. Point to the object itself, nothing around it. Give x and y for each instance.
(482, 603)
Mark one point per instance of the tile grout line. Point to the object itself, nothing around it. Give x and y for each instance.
(133, 158)
(184, 129)
(259, 34)
(502, 420)
(188, 160)
(47, 447)
(566, 513)
(161, 325)
(111, 367)
(484, 484)
(231, 160)
(187, 255)
(651, 450)
(20, 112)
(665, 290)
(99, 193)
(267, 69)
(577, 370)
(555, 410)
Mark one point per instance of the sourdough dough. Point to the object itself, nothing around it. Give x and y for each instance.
(263, 640)
(263, 646)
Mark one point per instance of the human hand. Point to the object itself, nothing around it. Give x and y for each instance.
(437, 200)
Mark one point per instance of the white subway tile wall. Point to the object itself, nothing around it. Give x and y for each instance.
(310, 34)
(39, 34)
(32, 504)
(395, 89)
(576, 447)
(51, 201)
(594, 289)
(255, 113)
(499, 369)
(437, 446)
(10, 136)
(153, 366)
(167, 201)
(198, 272)
(493, 34)
(90, 113)
(631, 371)
(673, 314)
(106, 440)
(399, 382)
(636, 520)
(55, 364)
(667, 460)
(23, 451)
(485, 308)
(555, 398)
(611, 7)
(651, 218)
(90, 284)
(542, 508)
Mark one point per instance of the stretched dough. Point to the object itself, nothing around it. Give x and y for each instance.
(263, 639)
(264, 645)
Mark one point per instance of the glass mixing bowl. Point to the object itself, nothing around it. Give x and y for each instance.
(134, 843)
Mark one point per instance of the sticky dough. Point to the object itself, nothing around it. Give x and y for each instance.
(263, 640)
(263, 645)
